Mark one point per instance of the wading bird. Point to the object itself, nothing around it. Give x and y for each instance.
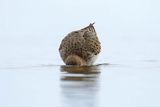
(80, 47)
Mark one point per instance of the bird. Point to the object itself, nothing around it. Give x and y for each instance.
(80, 47)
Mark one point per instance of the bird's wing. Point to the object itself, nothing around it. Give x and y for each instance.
(72, 44)
(92, 42)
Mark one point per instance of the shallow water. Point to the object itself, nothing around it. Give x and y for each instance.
(123, 85)
(126, 73)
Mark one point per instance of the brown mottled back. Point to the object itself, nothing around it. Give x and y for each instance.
(83, 43)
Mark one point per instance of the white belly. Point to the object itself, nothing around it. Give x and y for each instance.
(92, 60)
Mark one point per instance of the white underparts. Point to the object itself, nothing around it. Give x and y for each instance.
(92, 60)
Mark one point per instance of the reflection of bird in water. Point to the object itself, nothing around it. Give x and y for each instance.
(80, 86)
(88, 72)
(81, 69)
(80, 47)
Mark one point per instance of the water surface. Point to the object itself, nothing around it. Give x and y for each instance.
(69, 86)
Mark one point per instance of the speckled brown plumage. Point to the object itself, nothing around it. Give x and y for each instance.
(80, 47)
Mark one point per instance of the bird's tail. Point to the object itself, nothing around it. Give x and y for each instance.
(74, 60)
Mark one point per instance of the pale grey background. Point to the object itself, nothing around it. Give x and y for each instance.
(30, 34)
(125, 28)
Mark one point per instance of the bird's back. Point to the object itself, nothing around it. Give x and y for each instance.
(80, 47)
